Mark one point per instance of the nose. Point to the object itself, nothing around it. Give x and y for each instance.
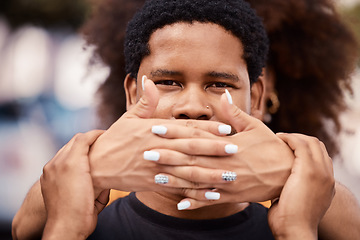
(193, 104)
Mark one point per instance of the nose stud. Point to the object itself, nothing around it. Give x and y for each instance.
(207, 107)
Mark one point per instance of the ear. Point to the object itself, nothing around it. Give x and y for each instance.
(258, 97)
(130, 91)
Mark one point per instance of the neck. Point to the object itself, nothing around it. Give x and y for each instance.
(166, 203)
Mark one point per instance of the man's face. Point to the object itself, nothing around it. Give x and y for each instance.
(192, 65)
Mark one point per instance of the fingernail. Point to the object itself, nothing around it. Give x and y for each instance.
(229, 176)
(224, 129)
(151, 155)
(183, 205)
(161, 179)
(212, 195)
(231, 148)
(143, 82)
(157, 129)
(228, 96)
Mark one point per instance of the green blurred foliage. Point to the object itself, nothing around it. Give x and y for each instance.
(352, 16)
(45, 13)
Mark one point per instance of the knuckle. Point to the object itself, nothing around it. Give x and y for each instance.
(213, 176)
(313, 140)
(192, 145)
(195, 185)
(192, 175)
(46, 168)
(237, 113)
(192, 160)
(79, 137)
(302, 142)
(189, 123)
(196, 132)
(186, 192)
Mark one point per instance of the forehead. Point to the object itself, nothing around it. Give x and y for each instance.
(196, 46)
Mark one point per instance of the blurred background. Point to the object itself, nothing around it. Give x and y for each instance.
(47, 94)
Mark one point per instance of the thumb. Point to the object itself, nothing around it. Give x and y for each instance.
(238, 119)
(102, 200)
(148, 102)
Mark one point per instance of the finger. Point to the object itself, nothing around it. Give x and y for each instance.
(148, 102)
(312, 151)
(305, 147)
(206, 147)
(298, 145)
(171, 158)
(240, 120)
(191, 204)
(91, 136)
(201, 175)
(170, 181)
(81, 142)
(102, 200)
(191, 128)
(202, 194)
(177, 158)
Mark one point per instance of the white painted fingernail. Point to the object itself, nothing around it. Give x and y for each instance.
(151, 155)
(183, 205)
(212, 195)
(231, 148)
(158, 129)
(228, 96)
(224, 129)
(143, 82)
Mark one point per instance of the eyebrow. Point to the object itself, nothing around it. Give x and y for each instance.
(164, 72)
(212, 74)
(224, 75)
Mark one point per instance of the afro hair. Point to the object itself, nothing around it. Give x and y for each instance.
(236, 16)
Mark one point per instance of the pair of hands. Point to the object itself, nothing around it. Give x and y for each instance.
(192, 156)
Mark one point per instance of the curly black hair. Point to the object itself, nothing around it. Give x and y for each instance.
(236, 16)
(312, 53)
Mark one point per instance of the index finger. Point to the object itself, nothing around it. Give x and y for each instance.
(191, 129)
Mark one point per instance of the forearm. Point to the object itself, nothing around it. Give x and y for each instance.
(342, 219)
(55, 230)
(298, 236)
(29, 221)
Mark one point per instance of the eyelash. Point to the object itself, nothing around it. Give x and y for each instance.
(167, 83)
(224, 85)
(177, 84)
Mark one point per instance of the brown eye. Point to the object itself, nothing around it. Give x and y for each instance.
(220, 85)
(167, 83)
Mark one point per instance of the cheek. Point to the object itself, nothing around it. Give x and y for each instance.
(243, 102)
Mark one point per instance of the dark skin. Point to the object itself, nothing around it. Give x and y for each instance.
(343, 200)
(307, 148)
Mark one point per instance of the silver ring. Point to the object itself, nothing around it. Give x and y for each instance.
(229, 176)
(161, 179)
